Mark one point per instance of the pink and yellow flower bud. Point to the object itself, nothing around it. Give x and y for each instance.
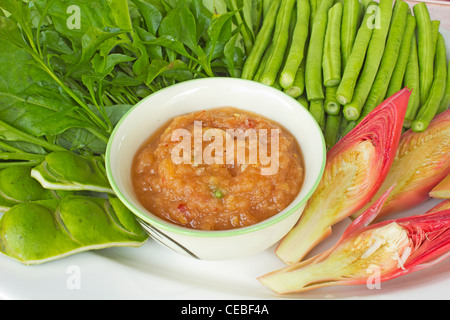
(392, 248)
(356, 167)
(442, 190)
(421, 162)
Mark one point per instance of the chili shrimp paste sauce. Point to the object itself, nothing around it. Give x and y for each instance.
(218, 169)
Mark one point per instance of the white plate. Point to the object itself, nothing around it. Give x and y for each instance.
(155, 272)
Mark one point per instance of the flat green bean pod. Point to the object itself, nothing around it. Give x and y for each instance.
(64, 170)
(40, 231)
(17, 186)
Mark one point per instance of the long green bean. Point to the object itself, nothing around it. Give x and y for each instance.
(431, 106)
(398, 75)
(298, 87)
(332, 48)
(446, 100)
(331, 105)
(262, 64)
(303, 101)
(355, 61)
(412, 82)
(297, 49)
(425, 49)
(390, 57)
(313, 71)
(280, 43)
(435, 25)
(350, 17)
(331, 134)
(375, 53)
(261, 42)
(317, 111)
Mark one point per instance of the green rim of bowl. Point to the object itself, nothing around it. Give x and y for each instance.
(168, 226)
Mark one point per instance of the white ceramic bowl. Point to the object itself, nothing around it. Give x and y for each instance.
(159, 108)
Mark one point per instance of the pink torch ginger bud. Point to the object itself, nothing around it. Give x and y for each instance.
(394, 248)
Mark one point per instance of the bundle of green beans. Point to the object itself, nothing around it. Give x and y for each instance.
(342, 58)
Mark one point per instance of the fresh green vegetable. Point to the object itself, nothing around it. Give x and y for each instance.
(40, 231)
(64, 85)
(398, 75)
(298, 45)
(65, 170)
(355, 61)
(280, 43)
(303, 101)
(332, 47)
(389, 60)
(313, 69)
(218, 194)
(435, 25)
(331, 132)
(375, 53)
(446, 99)
(317, 111)
(412, 81)
(331, 105)
(298, 87)
(425, 49)
(261, 43)
(431, 106)
(350, 19)
(17, 186)
(245, 20)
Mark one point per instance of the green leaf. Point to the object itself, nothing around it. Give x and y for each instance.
(179, 24)
(219, 33)
(105, 65)
(151, 15)
(230, 53)
(202, 17)
(160, 67)
(118, 10)
(40, 110)
(10, 31)
(54, 41)
(90, 43)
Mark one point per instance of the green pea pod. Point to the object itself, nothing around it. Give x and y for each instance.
(17, 186)
(64, 170)
(45, 230)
